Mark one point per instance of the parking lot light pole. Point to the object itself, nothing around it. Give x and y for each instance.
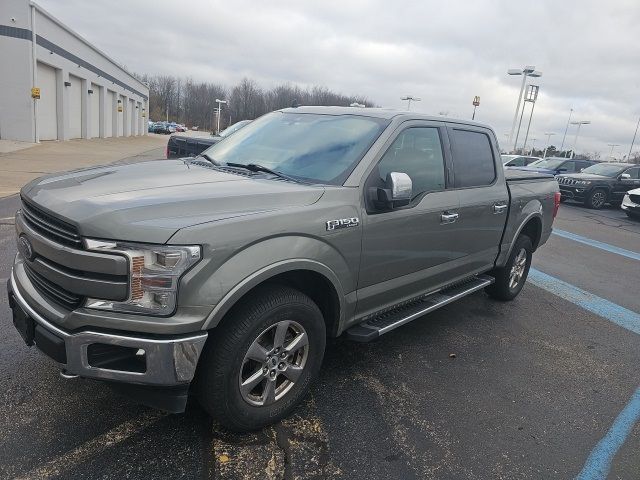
(634, 140)
(219, 102)
(527, 71)
(548, 134)
(612, 145)
(575, 141)
(532, 96)
(409, 98)
(566, 130)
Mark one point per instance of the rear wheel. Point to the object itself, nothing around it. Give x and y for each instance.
(510, 279)
(259, 363)
(596, 199)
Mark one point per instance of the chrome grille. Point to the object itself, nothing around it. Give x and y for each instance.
(52, 291)
(51, 227)
(566, 181)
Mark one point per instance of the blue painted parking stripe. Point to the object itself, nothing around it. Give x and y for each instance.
(611, 311)
(599, 462)
(597, 244)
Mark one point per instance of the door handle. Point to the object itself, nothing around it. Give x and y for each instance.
(499, 208)
(447, 217)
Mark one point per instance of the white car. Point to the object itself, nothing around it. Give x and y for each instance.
(631, 203)
(518, 160)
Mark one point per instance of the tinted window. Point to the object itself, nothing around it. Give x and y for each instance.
(530, 160)
(634, 172)
(517, 162)
(569, 167)
(418, 153)
(473, 159)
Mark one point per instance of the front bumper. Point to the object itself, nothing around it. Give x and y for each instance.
(120, 357)
(629, 206)
(573, 192)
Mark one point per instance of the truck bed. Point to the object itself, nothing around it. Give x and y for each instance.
(515, 175)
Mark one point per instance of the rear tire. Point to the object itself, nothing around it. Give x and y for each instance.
(510, 279)
(252, 372)
(596, 199)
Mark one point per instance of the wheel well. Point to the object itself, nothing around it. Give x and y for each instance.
(317, 287)
(533, 230)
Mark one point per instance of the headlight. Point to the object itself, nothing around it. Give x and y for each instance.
(154, 273)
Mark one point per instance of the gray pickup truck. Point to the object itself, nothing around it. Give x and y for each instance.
(223, 274)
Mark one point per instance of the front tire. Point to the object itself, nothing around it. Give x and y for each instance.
(510, 279)
(596, 199)
(258, 364)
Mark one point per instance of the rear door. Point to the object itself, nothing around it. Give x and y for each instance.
(482, 193)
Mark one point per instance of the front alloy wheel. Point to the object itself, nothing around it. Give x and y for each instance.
(274, 362)
(518, 268)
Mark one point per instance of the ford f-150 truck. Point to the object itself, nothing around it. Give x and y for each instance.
(224, 274)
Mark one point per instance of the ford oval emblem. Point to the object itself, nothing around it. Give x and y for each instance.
(25, 247)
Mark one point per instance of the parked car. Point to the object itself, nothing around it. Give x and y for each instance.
(180, 146)
(600, 184)
(556, 165)
(518, 160)
(161, 127)
(356, 221)
(631, 204)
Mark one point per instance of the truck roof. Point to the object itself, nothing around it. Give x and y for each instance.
(386, 113)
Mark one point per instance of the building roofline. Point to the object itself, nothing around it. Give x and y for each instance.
(85, 41)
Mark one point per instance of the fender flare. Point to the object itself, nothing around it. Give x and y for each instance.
(527, 219)
(265, 273)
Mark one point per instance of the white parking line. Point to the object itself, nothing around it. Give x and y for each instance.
(93, 447)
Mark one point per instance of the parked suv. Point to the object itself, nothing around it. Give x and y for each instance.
(558, 165)
(232, 273)
(600, 184)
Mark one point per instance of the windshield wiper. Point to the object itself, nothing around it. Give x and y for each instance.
(209, 159)
(253, 167)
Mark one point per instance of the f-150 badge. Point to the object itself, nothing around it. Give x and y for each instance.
(342, 223)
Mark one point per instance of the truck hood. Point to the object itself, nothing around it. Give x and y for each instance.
(150, 201)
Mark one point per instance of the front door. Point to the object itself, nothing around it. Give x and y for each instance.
(406, 251)
(623, 185)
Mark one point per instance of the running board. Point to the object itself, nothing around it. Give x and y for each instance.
(385, 322)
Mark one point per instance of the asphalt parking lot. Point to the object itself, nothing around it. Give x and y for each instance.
(542, 387)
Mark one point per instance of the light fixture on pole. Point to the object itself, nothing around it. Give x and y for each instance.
(219, 102)
(532, 96)
(533, 145)
(634, 140)
(548, 134)
(575, 141)
(409, 99)
(476, 104)
(566, 130)
(612, 145)
(528, 71)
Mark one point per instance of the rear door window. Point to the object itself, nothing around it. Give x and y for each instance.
(634, 172)
(473, 162)
(569, 167)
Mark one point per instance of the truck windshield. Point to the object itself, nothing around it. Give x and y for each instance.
(604, 170)
(312, 147)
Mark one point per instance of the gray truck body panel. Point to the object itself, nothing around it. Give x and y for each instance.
(252, 228)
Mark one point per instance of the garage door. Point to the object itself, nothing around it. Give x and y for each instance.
(95, 110)
(121, 117)
(134, 124)
(108, 118)
(75, 107)
(47, 105)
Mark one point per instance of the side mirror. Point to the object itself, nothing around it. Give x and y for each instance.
(625, 176)
(397, 191)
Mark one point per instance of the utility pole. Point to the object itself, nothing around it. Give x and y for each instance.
(548, 134)
(476, 104)
(634, 140)
(409, 98)
(219, 102)
(566, 130)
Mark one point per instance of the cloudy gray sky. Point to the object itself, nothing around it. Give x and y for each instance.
(443, 52)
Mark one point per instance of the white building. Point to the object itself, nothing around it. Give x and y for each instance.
(83, 92)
